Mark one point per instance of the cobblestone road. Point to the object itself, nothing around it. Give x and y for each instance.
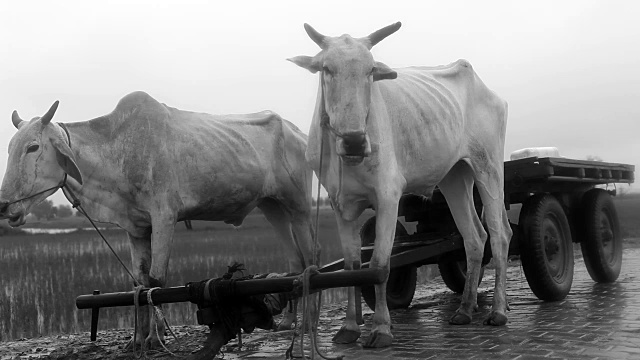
(595, 321)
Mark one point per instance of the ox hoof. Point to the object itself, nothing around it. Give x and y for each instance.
(460, 319)
(378, 339)
(346, 336)
(496, 319)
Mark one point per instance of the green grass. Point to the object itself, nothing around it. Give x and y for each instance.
(42, 274)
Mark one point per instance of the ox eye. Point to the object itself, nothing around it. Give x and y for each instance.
(33, 148)
(372, 71)
(327, 71)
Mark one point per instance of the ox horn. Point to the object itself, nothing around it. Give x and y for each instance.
(15, 119)
(49, 115)
(377, 36)
(315, 36)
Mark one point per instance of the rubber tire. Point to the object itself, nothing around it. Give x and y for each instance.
(401, 285)
(601, 248)
(542, 215)
(454, 274)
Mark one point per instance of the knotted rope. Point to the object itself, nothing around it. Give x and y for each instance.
(158, 315)
(308, 319)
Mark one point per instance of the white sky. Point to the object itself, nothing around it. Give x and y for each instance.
(570, 70)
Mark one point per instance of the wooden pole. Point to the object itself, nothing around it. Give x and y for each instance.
(95, 314)
(242, 288)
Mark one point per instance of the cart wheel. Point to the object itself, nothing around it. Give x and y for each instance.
(546, 249)
(454, 274)
(402, 281)
(601, 242)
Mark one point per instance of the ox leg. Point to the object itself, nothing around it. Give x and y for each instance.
(295, 232)
(284, 224)
(162, 229)
(141, 263)
(347, 230)
(491, 191)
(386, 218)
(457, 187)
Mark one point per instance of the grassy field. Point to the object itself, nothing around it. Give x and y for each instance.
(40, 275)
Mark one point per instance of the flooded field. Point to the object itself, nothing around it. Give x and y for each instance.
(41, 274)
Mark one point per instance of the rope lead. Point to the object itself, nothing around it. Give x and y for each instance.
(307, 317)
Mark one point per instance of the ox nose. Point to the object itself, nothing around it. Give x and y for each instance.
(354, 144)
(4, 206)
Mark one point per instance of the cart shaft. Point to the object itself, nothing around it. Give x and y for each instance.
(242, 288)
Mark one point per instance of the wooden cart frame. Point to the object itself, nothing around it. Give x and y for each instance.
(561, 205)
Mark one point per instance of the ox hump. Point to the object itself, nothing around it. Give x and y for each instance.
(463, 63)
(458, 67)
(138, 100)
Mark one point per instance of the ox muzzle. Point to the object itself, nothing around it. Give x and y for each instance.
(16, 218)
(353, 147)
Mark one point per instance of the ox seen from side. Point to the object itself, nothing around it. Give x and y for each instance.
(380, 132)
(146, 166)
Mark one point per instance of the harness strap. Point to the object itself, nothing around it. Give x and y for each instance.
(62, 184)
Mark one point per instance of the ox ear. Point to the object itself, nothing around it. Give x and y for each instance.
(383, 72)
(306, 62)
(65, 157)
(16, 120)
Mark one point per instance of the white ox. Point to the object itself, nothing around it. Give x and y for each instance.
(422, 127)
(146, 166)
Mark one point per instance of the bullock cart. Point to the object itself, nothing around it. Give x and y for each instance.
(560, 205)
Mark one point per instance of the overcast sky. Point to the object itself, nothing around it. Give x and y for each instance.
(570, 70)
